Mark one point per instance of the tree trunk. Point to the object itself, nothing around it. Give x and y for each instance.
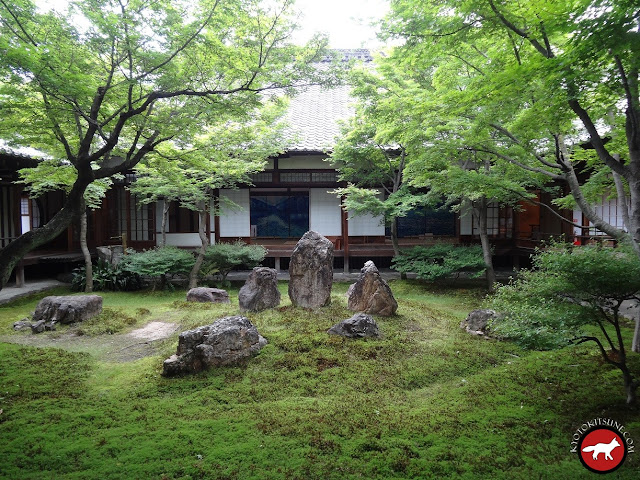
(635, 343)
(16, 250)
(481, 212)
(85, 252)
(630, 388)
(165, 213)
(204, 241)
(395, 244)
(394, 236)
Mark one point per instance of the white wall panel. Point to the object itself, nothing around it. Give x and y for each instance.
(300, 162)
(183, 239)
(366, 225)
(235, 222)
(324, 212)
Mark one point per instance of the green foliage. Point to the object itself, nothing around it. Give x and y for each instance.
(221, 258)
(568, 290)
(440, 261)
(106, 277)
(159, 262)
(574, 295)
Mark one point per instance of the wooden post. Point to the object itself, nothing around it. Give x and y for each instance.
(216, 217)
(20, 274)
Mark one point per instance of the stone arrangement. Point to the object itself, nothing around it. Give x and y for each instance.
(260, 291)
(360, 325)
(371, 293)
(208, 295)
(477, 322)
(228, 341)
(311, 271)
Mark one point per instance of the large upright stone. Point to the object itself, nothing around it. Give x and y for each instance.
(371, 293)
(228, 341)
(260, 291)
(68, 309)
(311, 271)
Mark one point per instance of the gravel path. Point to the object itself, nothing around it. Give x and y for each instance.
(125, 347)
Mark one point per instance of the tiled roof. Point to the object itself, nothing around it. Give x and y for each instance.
(314, 113)
(313, 117)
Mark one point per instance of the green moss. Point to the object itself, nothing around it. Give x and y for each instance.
(424, 401)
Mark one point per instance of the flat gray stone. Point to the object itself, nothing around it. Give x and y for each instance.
(68, 309)
(208, 295)
(360, 325)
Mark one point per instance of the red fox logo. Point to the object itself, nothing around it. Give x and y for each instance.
(605, 448)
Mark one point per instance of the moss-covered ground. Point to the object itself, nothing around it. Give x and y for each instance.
(425, 401)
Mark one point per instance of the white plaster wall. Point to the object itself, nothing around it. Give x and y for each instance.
(182, 239)
(366, 225)
(324, 212)
(304, 162)
(235, 222)
(466, 221)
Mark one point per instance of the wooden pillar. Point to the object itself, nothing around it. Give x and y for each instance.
(277, 263)
(216, 216)
(20, 274)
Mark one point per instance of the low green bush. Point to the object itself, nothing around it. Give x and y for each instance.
(222, 258)
(441, 260)
(159, 263)
(106, 277)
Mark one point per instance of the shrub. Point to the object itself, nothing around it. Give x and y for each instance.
(221, 258)
(440, 261)
(573, 296)
(159, 263)
(106, 277)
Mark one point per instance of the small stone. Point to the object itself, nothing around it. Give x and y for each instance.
(38, 327)
(360, 325)
(477, 321)
(22, 324)
(208, 295)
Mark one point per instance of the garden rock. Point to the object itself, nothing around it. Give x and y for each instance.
(228, 341)
(22, 324)
(260, 291)
(208, 295)
(68, 309)
(111, 254)
(311, 271)
(477, 321)
(360, 325)
(371, 293)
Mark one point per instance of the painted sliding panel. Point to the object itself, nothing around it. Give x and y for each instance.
(280, 215)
